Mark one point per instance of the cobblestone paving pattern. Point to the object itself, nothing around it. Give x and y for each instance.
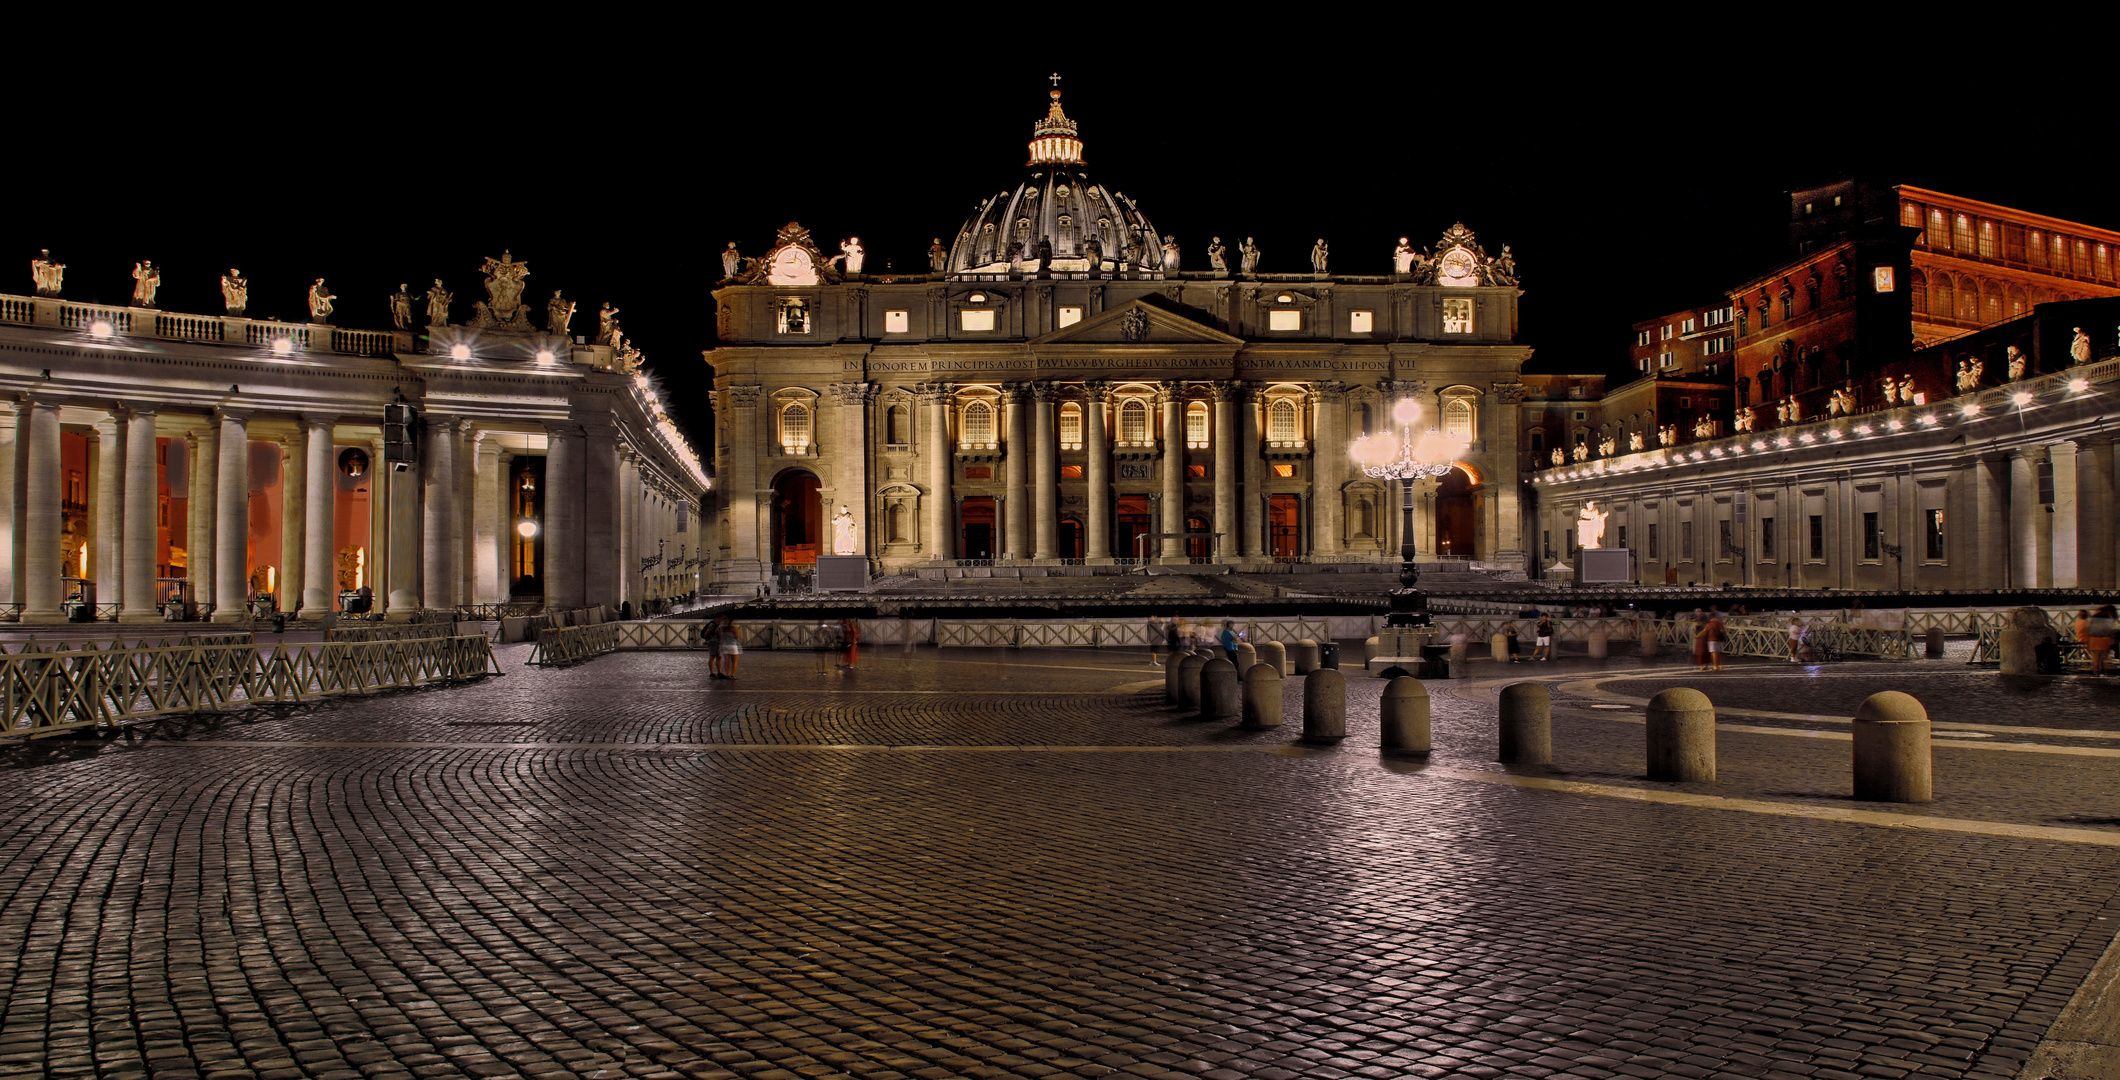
(303, 906)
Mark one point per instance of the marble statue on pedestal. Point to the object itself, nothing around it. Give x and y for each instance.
(2017, 363)
(1093, 252)
(1704, 428)
(438, 304)
(1318, 255)
(1634, 440)
(851, 250)
(1558, 457)
(147, 277)
(1891, 391)
(1959, 380)
(1170, 254)
(1607, 446)
(1217, 255)
(1667, 435)
(46, 274)
(559, 311)
(2079, 347)
(731, 261)
(401, 308)
(1044, 253)
(1841, 403)
(1249, 251)
(843, 538)
(606, 323)
(1973, 370)
(320, 299)
(1502, 270)
(1906, 389)
(1402, 256)
(1132, 252)
(1015, 256)
(938, 257)
(235, 291)
(1590, 526)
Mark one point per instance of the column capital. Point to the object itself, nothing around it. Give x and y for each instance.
(743, 397)
(1096, 390)
(225, 415)
(1229, 390)
(316, 420)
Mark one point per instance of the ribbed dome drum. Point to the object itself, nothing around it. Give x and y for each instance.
(1057, 203)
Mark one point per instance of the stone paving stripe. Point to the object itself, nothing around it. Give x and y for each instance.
(1760, 806)
(2085, 1041)
(1281, 751)
(1843, 736)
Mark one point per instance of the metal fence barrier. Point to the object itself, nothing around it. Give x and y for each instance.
(573, 644)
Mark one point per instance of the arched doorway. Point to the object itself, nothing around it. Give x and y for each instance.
(1070, 538)
(975, 524)
(1131, 522)
(797, 519)
(1456, 515)
(1198, 547)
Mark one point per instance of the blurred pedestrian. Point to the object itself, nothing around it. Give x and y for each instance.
(1700, 640)
(710, 640)
(1229, 642)
(1509, 633)
(1544, 637)
(2099, 632)
(731, 647)
(1155, 639)
(1714, 633)
(850, 644)
(1795, 640)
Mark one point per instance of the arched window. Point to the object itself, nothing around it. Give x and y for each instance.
(2018, 304)
(795, 428)
(897, 426)
(1133, 422)
(1458, 417)
(978, 426)
(1942, 301)
(1990, 302)
(1365, 418)
(1365, 516)
(1918, 292)
(1281, 423)
(1196, 424)
(1969, 299)
(1071, 426)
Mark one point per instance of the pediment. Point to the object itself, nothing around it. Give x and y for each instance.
(1138, 323)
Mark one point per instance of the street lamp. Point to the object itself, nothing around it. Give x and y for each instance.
(1407, 458)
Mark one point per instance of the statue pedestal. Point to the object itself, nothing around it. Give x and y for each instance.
(1604, 566)
(842, 573)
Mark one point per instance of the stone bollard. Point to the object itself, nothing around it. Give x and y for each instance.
(1892, 758)
(1648, 639)
(1369, 649)
(1527, 724)
(1500, 646)
(1218, 692)
(1600, 645)
(1324, 705)
(1682, 736)
(1304, 655)
(1934, 647)
(2020, 651)
(1246, 656)
(1404, 716)
(1172, 668)
(1189, 667)
(1273, 652)
(1458, 649)
(1262, 696)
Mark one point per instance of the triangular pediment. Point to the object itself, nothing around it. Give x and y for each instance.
(1137, 323)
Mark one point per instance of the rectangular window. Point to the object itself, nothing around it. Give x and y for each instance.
(1933, 527)
(1686, 327)
(1457, 315)
(794, 315)
(895, 322)
(1070, 472)
(1284, 471)
(1069, 316)
(1728, 542)
(1645, 337)
(1766, 538)
(1818, 538)
(978, 472)
(1872, 536)
(975, 320)
(1715, 346)
(1988, 247)
(1362, 322)
(1197, 472)
(1667, 331)
(1071, 428)
(1623, 536)
(1284, 319)
(2046, 483)
(1685, 541)
(1196, 427)
(1668, 359)
(1652, 541)
(1548, 541)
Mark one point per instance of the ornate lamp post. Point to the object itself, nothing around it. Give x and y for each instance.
(1407, 458)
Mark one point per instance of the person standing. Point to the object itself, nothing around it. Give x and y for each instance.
(2098, 634)
(1173, 636)
(1545, 638)
(710, 640)
(1795, 640)
(731, 647)
(1229, 642)
(1510, 634)
(1700, 641)
(1713, 632)
(1155, 640)
(850, 638)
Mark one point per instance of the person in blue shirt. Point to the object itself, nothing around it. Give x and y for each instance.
(1229, 642)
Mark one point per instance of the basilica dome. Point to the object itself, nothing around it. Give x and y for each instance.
(1057, 204)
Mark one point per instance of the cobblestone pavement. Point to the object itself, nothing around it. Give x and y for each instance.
(998, 864)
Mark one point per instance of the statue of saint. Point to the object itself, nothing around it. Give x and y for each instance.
(1666, 435)
(235, 291)
(1634, 441)
(1891, 391)
(1249, 263)
(46, 274)
(1558, 457)
(1607, 446)
(1093, 252)
(1318, 254)
(731, 261)
(1906, 389)
(1795, 410)
(1170, 254)
(1781, 411)
(938, 257)
(1959, 380)
(320, 300)
(2079, 347)
(1134, 249)
(1218, 255)
(147, 277)
(1703, 428)
(1015, 256)
(401, 308)
(1044, 253)
(438, 304)
(606, 324)
(1402, 256)
(852, 251)
(843, 541)
(1973, 370)
(1502, 271)
(1590, 526)
(2017, 364)
(559, 311)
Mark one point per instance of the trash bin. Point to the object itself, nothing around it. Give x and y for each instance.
(1329, 654)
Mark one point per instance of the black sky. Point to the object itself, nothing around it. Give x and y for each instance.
(1633, 170)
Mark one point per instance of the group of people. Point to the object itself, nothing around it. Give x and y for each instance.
(841, 644)
(724, 647)
(1169, 637)
(1542, 638)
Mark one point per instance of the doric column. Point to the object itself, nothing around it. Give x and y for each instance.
(381, 482)
(630, 549)
(110, 509)
(466, 584)
(1171, 399)
(294, 519)
(563, 516)
(2094, 491)
(138, 600)
(2067, 521)
(400, 571)
(231, 556)
(438, 514)
(1047, 541)
(42, 516)
(320, 569)
(1097, 546)
(1504, 413)
(741, 490)
(1015, 471)
(489, 524)
(855, 401)
(2024, 523)
(938, 505)
(1328, 461)
(13, 448)
(1228, 396)
(1255, 543)
(599, 494)
(205, 465)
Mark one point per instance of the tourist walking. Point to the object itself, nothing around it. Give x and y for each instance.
(850, 644)
(1509, 633)
(1544, 636)
(1713, 632)
(710, 640)
(1229, 642)
(2098, 635)
(731, 648)
(1173, 635)
(1700, 641)
(1795, 640)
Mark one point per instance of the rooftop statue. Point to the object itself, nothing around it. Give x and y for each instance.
(606, 323)
(2079, 347)
(1402, 256)
(147, 277)
(1133, 251)
(46, 274)
(1891, 391)
(438, 304)
(1502, 271)
(503, 306)
(731, 261)
(2017, 363)
(854, 253)
(1093, 251)
(1170, 254)
(1045, 252)
(1590, 526)
(401, 308)
(1250, 253)
(1318, 255)
(559, 311)
(1906, 389)
(1217, 255)
(235, 291)
(938, 257)
(320, 300)
(1634, 440)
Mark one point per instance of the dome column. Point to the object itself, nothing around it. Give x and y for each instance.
(936, 399)
(1097, 546)
(1048, 467)
(1328, 460)
(1015, 470)
(1254, 531)
(1172, 400)
(1227, 397)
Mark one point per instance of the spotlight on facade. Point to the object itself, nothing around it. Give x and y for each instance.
(1782, 442)
(2079, 384)
(2021, 398)
(101, 328)
(1894, 424)
(1863, 429)
(526, 528)
(1971, 408)
(460, 352)
(1807, 438)
(1929, 419)
(282, 346)
(1836, 433)
(544, 356)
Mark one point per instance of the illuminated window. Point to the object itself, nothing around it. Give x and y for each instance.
(1363, 322)
(1987, 239)
(1284, 319)
(1196, 425)
(1197, 472)
(1939, 235)
(795, 428)
(1281, 423)
(1284, 471)
(1133, 422)
(895, 322)
(975, 320)
(978, 426)
(1070, 472)
(1458, 418)
(1962, 234)
(1457, 316)
(1069, 316)
(794, 317)
(1071, 426)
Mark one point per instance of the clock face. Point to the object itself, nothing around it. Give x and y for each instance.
(792, 266)
(1457, 268)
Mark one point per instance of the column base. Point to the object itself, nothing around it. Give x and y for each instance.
(42, 618)
(146, 618)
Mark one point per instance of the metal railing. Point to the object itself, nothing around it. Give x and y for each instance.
(490, 612)
(46, 689)
(573, 644)
(388, 632)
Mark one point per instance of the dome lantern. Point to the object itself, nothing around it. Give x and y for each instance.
(1053, 139)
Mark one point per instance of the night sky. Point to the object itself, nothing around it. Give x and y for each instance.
(1630, 181)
